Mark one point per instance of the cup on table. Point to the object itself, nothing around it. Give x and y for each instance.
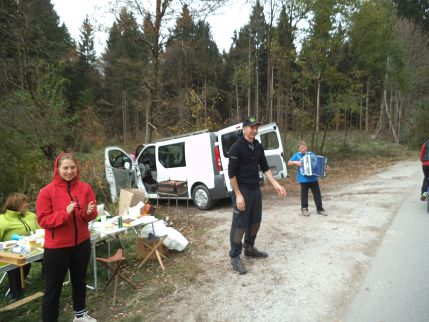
(100, 209)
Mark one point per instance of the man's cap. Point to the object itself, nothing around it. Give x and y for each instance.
(250, 121)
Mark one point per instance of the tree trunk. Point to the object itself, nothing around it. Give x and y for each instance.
(360, 109)
(269, 64)
(256, 91)
(250, 77)
(271, 94)
(153, 90)
(318, 104)
(237, 103)
(317, 109)
(367, 106)
(124, 118)
(205, 97)
(388, 115)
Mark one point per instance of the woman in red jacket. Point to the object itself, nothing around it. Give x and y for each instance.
(424, 158)
(64, 208)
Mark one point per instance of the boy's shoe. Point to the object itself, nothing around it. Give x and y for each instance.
(304, 212)
(84, 318)
(251, 251)
(237, 265)
(322, 212)
(423, 196)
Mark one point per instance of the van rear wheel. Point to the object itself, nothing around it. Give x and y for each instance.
(202, 198)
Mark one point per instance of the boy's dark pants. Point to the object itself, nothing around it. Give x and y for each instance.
(56, 262)
(426, 178)
(245, 222)
(315, 189)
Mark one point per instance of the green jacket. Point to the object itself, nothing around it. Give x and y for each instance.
(13, 222)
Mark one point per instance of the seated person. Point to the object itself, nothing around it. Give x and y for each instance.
(16, 219)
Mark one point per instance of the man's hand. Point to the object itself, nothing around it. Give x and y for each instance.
(298, 163)
(240, 202)
(277, 187)
(280, 190)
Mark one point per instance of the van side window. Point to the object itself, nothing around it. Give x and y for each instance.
(228, 139)
(269, 141)
(117, 159)
(172, 155)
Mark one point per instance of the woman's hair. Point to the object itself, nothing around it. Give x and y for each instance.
(68, 156)
(301, 143)
(14, 201)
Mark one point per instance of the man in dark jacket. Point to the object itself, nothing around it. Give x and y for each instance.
(245, 157)
(424, 158)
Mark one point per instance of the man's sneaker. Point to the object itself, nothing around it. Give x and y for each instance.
(251, 251)
(322, 212)
(304, 212)
(237, 265)
(423, 196)
(84, 318)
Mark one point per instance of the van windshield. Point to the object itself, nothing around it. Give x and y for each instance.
(228, 139)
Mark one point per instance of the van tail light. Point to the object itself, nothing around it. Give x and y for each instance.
(217, 157)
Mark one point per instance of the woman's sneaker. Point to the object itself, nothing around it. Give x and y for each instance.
(84, 318)
(423, 196)
(322, 212)
(304, 212)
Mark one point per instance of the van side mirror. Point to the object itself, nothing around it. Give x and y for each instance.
(127, 165)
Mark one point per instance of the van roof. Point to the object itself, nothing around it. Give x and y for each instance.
(182, 135)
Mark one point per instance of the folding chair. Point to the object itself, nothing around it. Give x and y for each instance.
(116, 271)
(153, 246)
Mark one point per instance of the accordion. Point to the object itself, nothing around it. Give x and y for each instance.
(314, 165)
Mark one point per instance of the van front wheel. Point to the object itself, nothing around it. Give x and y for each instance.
(201, 197)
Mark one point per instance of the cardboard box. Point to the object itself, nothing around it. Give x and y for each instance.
(142, 250)
(173, 187)
(129, 198)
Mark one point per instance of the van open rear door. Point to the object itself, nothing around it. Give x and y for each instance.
(121, 171)
(269, 137)
(226, 138)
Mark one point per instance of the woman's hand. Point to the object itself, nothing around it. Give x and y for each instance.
(70, 207)
(91, 207)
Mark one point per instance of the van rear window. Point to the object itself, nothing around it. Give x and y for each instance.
(172, 155)
(269, 141)
(228, 139)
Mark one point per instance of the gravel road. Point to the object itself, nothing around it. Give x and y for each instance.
(316, 263)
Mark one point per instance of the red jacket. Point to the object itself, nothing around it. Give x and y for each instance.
(63, 229)
(422, 154)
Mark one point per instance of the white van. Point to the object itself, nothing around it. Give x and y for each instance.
(199, 158)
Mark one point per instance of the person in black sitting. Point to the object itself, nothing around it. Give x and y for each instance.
(245, 157)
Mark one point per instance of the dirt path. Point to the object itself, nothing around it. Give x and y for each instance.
(315, 264)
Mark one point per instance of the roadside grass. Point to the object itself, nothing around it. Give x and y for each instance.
(357, 145)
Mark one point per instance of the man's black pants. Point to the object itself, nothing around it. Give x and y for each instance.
(56, 262)
(315, 189)
(425, 184)
(14, 276)
(245, 222)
